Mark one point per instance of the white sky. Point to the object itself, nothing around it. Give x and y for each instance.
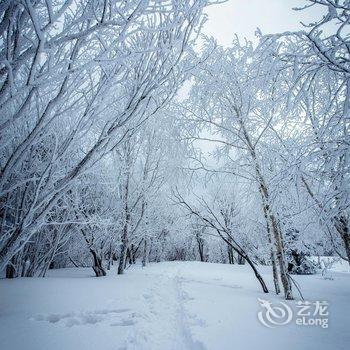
(244, 16)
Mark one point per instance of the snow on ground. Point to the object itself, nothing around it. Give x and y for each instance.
(165, 306)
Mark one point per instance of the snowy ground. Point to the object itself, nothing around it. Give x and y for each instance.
(165, 306)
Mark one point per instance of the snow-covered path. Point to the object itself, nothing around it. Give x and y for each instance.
(165, 306)
(143, 309)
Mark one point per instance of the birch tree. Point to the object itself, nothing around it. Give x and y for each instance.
(233, 97)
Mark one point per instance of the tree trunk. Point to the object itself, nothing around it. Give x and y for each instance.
(342, 226)
(286, 283)
(122, 257)
(125, 238)
(244, 255)
(200, 243)
(97, 267)
(257, 274)
(145, 253)
(275, 272)
(11, 271)
(133, 252)
(240, 260)
(278, 241)
(273, 258)
(7, 252)
(271, 221)
(110, 257)
(231, 258)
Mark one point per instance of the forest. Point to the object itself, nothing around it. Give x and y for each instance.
(131, 139)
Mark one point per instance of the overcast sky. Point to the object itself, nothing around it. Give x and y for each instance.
(244, 16)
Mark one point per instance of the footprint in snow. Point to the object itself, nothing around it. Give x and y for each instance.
(147, 296)
(80, 318)
(123, 323)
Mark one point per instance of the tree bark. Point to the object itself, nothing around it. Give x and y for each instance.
(342, 226)
(97, 267)
(244, 255)
(272, 257)
(231, 258)
(240, 260)
(122, 258)
(145, 253)
(11, 271)
(200, 243)
(271, 220)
